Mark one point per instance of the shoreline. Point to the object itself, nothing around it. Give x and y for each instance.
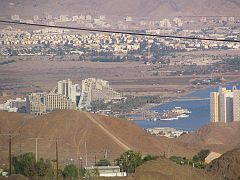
(148, 107)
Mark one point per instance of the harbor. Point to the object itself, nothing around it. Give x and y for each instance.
(167, 115)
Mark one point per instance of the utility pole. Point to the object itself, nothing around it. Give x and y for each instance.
(106, 154)
(148, 52)
(57, 160)
(86, 153)
(95, 159)
(10, 136)
(57, 156)
(168, 151)
(36, 147)
(80, 163)
(20, 148)
(10, 153)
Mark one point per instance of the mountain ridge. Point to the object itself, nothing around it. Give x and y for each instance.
(122, 8)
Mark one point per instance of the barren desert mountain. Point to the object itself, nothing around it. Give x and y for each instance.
(226, 166)
(122, 8)
(102, 135)
(218, 137)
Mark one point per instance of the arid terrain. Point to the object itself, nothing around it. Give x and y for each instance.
(114, 8)
(73, 128)
(170, 59)
(30, 74)
(129, 77)
(164, 169)
(224, 167)
(103, 135)
(219, 137)
(227, 166)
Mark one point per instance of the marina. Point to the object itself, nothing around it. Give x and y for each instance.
(166, 115)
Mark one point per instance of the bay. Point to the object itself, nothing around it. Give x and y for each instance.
(200, 109)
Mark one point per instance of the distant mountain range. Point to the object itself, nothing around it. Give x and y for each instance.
(122, 8)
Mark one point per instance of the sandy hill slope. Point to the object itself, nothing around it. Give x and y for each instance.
(219, 137)
(137, 8)
(227, 166)
(102, 135)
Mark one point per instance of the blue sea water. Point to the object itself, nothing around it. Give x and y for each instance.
(200, 111)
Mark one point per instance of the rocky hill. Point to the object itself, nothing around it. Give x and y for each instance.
(218, 137)
(102, 135)
(227, 166)
(114, 8)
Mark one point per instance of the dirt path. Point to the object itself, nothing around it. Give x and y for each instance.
(115, 139)
(83, 133)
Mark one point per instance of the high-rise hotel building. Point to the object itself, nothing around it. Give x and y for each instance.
(70, 90)
(64, 87)
(66, 96)
(96, 89)
(225, 105)
(214, 106)
(236, 105)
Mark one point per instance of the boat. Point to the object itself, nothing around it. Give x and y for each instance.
(180, 110)
(168, 119)
(183, 116)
